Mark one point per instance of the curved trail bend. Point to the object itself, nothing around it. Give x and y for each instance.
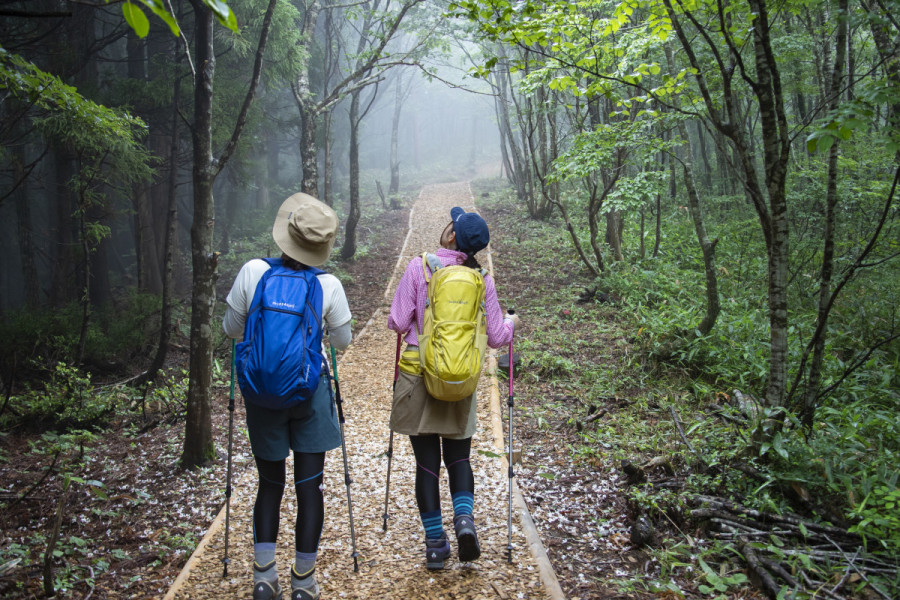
(391, 563)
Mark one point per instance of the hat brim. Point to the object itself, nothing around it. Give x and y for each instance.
(312, 256)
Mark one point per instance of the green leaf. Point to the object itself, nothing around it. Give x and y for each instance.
(489, 454)
(223, 13)
(136, 19)
(160, 11)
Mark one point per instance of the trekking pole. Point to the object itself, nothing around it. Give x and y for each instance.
(390, 450)
(509, 403)
(226, 560)
(339, 402)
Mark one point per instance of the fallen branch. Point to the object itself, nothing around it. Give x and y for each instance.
(597, 415)
(683, 436)
(770, 587)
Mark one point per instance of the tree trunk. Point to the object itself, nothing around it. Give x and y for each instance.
(198, 443)
(828, 245)
(394, 188)
(776, 151)
(309, 183)
(571, 229)
(328, 159)
(63, 279)
(171, 247)
(704, 156)
(349, 248)
(25, 231)
(146, 248)
(708, 247)
(614, 234)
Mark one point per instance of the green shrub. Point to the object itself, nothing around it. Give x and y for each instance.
(68, 400)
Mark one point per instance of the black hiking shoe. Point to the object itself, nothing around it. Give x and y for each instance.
(437, 550)
(466, 538)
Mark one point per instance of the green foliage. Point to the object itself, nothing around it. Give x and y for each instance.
(40, 337)
(855, 115)
(139, 22)
(87, 128)
(879, 523)
(67, 400)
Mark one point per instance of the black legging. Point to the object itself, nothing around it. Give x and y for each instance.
(427, 449)
(310, 501)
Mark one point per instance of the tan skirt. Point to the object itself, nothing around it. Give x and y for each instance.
(416, 412)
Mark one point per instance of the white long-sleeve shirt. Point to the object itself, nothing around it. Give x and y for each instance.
(335, 309)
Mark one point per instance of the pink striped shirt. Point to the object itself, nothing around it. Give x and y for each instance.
(408, 308)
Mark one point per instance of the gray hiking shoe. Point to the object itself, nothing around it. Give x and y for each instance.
(466, 538)
(310, 593)
(304, 586)
(437, 550)
(266, 590)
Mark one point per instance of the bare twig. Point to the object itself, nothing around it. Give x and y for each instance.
(852, 563)
(683, 436)
(39, 481)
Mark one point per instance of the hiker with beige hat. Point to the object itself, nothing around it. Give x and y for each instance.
(305, 231)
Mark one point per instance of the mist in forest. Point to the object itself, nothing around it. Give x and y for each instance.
(446, 131)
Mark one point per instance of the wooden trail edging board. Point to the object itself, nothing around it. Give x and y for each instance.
(391, 563)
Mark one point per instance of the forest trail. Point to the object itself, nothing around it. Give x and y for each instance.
(391, 563)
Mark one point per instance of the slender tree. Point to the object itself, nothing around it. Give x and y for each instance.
(198, 444)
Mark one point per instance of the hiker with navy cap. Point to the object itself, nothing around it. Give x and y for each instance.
(440, 430)
(305, 422)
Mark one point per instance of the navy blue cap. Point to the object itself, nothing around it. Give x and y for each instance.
(472, 232)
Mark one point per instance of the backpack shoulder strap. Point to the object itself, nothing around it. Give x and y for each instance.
(432, 262)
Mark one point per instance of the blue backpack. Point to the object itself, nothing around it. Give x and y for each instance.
(280, 360)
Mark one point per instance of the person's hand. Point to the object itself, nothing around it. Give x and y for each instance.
(514, 318)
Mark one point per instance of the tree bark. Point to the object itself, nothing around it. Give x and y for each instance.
(25, 231)
(349, 247)
(828, 245)
(708, 247)
(394, 188)
(171, 247)
(198, 443)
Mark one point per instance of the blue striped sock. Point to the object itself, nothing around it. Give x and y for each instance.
(463, 503)
(434, 525)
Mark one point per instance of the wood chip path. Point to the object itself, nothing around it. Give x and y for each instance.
(391, 563)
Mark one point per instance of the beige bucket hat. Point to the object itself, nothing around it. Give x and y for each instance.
(305, 229)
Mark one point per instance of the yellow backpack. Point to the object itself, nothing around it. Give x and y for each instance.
(453, 339)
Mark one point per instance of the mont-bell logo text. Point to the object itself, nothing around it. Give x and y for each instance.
(457, 301)
(283, 305)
